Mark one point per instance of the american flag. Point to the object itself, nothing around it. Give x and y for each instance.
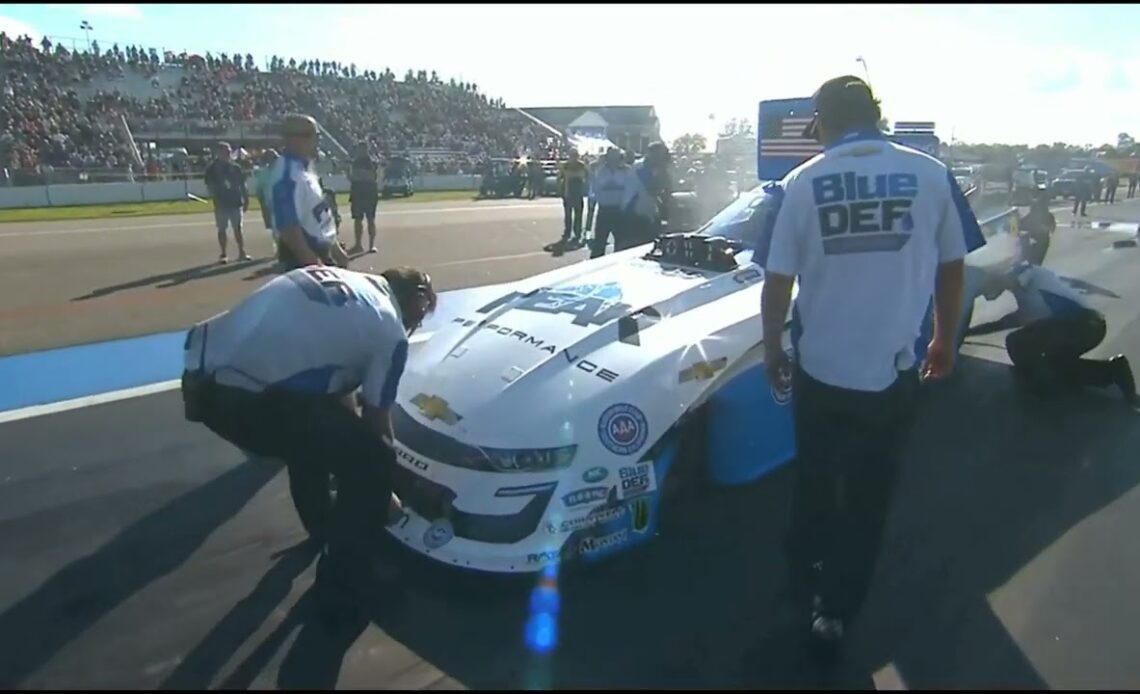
(783, 136)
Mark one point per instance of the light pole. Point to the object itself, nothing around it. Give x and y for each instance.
(866, 72)
(87, 29)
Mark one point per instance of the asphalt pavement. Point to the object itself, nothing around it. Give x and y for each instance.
(138, 551)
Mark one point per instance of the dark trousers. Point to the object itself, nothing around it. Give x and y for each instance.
(1131, 187)
(1110, 193)
(848, 445)
(610, 220)
(1080, 203)
(572, 217)
(1046, 354)
(636, 231)
(317, 437)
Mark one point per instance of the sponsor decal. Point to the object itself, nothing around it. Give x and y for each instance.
(636, 480)
(434, 407)
(575, 360)
(410, 459)
(639, 515)
(588, 495)
(543, 557)
(601, 517)
(623, 429)
(782, 392)
(589, 304)
(590, 545)
(595, 475)
(702, 370)
(438, 534)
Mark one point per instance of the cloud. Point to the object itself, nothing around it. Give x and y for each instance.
(114, 10)
(14, 28)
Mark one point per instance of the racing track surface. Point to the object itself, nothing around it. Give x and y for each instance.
(138, 551)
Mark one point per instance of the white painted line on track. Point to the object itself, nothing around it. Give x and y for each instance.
(253, 217)
(116, 395)
(88, 401)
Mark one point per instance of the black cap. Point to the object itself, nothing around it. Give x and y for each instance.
(839, 94)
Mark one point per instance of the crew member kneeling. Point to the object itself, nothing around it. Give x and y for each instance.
(277, 376)
(1057, 326)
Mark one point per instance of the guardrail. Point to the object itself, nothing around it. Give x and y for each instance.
(71, 194)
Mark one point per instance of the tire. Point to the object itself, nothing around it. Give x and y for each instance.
(686, 485)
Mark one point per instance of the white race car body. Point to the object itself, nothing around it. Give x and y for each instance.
(537, 421)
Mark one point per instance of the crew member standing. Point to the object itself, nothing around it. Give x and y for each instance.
(1083, 189)
(277, 375)
(1036, 230)
(364, 191)
(591, 200)
(871, 229)
(572, 176)
(226, 184)
(647, 206)
(1055, 326)
(1111, 183)
(303, 223)
(1132, 180)
(611, 186)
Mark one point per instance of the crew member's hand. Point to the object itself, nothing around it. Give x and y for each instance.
(778, 367)
(939, 361)
(395, 509)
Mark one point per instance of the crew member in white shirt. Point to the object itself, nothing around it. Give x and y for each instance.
(1055, 326)
(303, 223)
(872, 230)
(278, 375)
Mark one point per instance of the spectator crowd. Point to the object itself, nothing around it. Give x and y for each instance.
(61, 109)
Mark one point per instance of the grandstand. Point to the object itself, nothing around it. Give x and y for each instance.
(72, 116)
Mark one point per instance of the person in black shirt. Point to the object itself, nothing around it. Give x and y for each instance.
(225, 182)
(363, 193)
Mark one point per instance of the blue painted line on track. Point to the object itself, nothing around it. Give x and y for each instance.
(38, 378)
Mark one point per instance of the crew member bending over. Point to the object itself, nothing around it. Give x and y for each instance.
(277, 376)
(1056, 326)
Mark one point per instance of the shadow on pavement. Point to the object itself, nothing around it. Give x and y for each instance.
(989, 483)
(178, 277)
(199, 666)
(36, 628)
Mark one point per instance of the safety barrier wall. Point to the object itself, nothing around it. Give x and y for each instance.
(67, 194)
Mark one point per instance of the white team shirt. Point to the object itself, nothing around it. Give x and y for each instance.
(1042, 294)
(314, 330)
(297, 198)
(865, 225)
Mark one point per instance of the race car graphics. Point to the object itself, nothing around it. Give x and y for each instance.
(438, 534)
(588, 495)
(599, 517)
(701, 370)
(623, 429)
(592, 545)
(584, 365)
(639, 515)
(595, 475)
(435, 408)
(636, 480)
(590, 304)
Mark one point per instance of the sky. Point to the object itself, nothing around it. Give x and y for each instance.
(1018, 74)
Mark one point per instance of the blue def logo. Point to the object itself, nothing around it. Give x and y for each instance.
(623, 429)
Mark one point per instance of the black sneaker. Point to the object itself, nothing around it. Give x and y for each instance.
(1122, 378)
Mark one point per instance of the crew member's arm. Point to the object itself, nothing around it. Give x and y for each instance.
(286, 220)
(244, 192)
(337, 254)
(957, 235)
(782, 259)
(210, 180)
(1009, 320)
(379, 388)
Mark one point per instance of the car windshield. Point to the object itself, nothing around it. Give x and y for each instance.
(743, 219)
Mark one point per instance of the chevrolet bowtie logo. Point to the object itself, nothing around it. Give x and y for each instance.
(702, 370)
(434, 407)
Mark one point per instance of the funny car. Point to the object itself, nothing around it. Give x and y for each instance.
(565, 416)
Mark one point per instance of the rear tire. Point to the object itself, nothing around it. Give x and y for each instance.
(686, 485)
